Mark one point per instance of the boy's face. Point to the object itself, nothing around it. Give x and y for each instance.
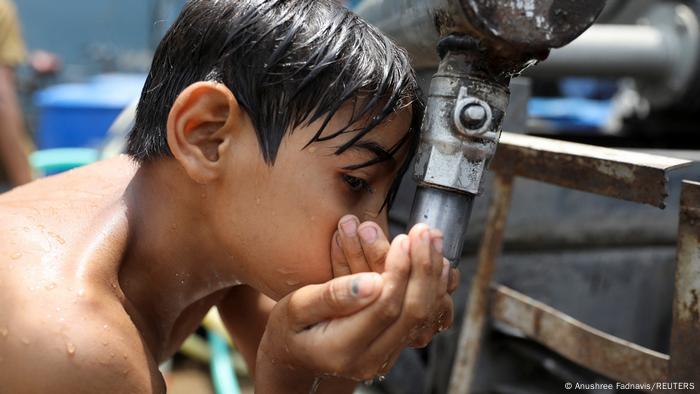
(277, 222)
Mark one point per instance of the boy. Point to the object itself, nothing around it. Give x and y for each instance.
(266, 130)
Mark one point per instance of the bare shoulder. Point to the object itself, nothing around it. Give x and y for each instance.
(83, 351)
(63, 327)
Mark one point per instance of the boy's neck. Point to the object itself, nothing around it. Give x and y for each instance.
(170, 261)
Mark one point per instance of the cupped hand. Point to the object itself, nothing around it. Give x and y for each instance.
(355, 326)
(362, 247)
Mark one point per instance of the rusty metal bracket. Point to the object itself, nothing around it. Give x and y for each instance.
(631, 176)
(604, 353)
(685, 332)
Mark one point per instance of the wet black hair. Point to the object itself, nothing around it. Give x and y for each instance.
(289, 63)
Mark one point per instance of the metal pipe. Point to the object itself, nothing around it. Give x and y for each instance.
(445, 210)
(610, 51)
(416, 25)
(480, 45)
(459, 135)
(515, 31)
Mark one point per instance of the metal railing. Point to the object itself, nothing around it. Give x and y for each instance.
(636, 177)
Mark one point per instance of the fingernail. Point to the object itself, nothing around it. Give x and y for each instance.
(405, 244)
(425, 235)
(365, 284)
(349, 227)
(445, 272)
(437, 244)
(368, 234)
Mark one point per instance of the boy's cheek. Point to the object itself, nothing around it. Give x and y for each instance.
(303, 259)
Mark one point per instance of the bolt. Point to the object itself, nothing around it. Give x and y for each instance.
(473, 116)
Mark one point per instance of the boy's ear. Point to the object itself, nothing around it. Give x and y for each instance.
(201, 124)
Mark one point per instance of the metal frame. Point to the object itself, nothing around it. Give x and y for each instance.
(636, 177)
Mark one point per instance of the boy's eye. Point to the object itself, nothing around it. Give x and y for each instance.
(357, 184)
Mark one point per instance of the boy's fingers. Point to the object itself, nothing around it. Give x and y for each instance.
(334, 299)
(370, 323)
(374, 245)
(420, 303)
(441, 322)
(338, 262)
(453, 281)
(436, 249)
(389, 363)
(350, 242)
(444, 277)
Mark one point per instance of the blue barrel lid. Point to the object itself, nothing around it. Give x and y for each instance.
(108, 91)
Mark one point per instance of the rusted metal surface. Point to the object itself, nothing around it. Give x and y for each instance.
(512, 32)
(603, 353)
(685, 334)
(631, 176)
(476, 310)
(533, 24)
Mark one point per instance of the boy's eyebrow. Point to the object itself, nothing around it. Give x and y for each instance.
(382, 155)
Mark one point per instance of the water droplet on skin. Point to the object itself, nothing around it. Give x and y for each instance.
(182, 281)
(381, 378)
(81, 292)
(4, 332)
(58, 309)
(111, 355)
(16, 256)
(125, 356)
(106, 326)
(50, 286)
(70, 348)
(57, 237)
(292, 282)
(61, 320)
(312, 149)
(114, 285)
(25, 341)
(125, 372)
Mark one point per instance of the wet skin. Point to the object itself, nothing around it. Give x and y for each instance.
(105, 270)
